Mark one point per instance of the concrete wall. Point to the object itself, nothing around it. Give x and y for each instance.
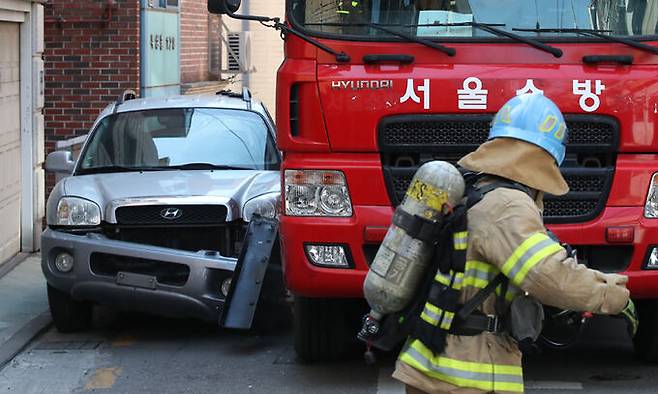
(266, 50)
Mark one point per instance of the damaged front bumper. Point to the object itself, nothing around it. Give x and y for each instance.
(153, 279)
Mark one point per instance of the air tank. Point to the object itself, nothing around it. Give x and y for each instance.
(401, 260)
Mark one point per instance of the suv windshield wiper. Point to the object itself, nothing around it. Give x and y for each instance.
(597, 34)
(203, 166)
(410, 38)
(114, 168)
(489, 27)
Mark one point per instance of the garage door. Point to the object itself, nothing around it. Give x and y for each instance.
(10, 148)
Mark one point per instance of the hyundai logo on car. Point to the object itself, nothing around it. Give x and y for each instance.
(171, 213)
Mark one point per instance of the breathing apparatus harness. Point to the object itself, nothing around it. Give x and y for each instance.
(435, 311)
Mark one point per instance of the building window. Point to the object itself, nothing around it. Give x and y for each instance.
(166, 3)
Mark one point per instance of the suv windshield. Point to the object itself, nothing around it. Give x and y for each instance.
(425, 17)
(173, 138)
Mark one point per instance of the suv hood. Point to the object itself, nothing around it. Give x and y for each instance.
(232, 188)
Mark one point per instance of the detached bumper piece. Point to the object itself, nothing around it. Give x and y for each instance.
(242, 299)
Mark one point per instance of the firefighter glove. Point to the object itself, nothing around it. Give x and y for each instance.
(630, 315)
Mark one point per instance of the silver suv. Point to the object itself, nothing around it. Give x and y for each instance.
(155, 212)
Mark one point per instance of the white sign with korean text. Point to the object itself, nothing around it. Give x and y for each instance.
(472, 96)
(423, 88)
(529, 88)
(589, 95)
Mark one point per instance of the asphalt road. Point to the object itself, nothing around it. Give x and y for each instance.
(129, 353)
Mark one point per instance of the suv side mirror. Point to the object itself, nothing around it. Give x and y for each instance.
(223, 6)
(60, 162)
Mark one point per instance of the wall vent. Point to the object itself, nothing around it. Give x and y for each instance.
(236, 55)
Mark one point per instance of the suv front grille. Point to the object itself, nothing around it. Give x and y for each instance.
(226, 238)
(166, 214)
(408, 141)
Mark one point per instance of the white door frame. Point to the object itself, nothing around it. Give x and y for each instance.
(27, 149)
(18, 11)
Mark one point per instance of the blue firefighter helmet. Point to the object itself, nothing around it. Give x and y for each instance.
(533, 118)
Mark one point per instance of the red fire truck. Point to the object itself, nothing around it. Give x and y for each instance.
(371, 89)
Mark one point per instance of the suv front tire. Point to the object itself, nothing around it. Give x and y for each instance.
(69, 315)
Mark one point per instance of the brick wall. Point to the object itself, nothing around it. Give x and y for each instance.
(87, 64)
(199, 41)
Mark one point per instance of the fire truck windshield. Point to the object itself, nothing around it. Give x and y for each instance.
(447, 19)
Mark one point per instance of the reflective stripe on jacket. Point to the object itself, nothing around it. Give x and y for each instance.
(506, 234)
(345, 6)
(484, 376)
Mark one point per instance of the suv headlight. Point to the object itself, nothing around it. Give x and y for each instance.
(75, 211)
(316, 193)
(265, 205)
(651, 206)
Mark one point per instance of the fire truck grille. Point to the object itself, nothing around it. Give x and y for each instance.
(468, 131)
(408, 141)
(436, 132)
(569, 207)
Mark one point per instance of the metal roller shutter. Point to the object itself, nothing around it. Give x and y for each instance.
(10, 145)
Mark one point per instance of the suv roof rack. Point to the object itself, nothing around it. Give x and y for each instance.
(127, 95)
(245, 95)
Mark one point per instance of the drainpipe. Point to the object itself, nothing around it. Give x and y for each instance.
(245, 28)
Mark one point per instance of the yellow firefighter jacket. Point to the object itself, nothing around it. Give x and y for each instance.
(505, 233)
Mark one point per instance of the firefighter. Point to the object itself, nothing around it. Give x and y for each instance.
(349, 7)
(350, 12)
(506, 234)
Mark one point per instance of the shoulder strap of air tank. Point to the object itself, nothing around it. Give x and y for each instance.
(474, 194)
(417, 227)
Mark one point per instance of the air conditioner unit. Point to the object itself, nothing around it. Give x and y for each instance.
(236, 53)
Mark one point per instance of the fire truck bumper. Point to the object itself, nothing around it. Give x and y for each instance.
(359, 236)
(628, 255)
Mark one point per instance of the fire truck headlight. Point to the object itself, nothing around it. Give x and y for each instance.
(651, 206)
(316, 193)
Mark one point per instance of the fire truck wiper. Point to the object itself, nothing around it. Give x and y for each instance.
(230, 7)
(284, 28)
(447, 50)
(408, 37)
(341, 56)
(489, 27)
(598, 34)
